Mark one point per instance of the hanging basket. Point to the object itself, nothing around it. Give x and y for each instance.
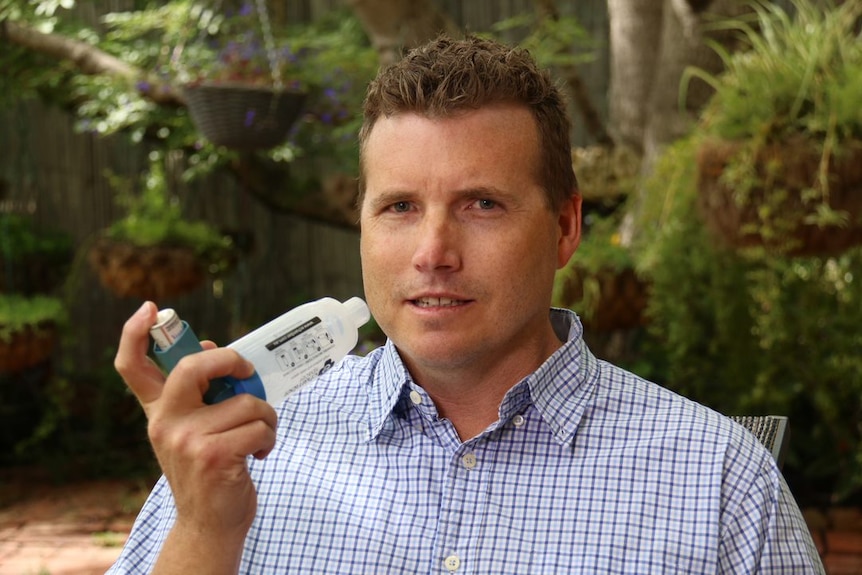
(27, 347)
(152, 273)
(615, 299)
(243, 117)
(776, 217)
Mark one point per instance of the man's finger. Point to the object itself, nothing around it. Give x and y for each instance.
(190, 378)
(239, 410)
(139, 372)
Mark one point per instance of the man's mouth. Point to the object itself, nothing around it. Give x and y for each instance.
(438, 302)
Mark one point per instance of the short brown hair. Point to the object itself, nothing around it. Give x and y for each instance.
(447, 76)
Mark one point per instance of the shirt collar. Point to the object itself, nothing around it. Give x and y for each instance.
(560, 388)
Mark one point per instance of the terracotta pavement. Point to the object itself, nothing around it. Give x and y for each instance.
(67, 529)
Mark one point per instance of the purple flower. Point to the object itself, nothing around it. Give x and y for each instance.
(249, 118)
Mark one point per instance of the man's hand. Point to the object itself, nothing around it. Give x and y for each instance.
(202, 449)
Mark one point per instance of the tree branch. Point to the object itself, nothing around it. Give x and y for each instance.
(91, 61)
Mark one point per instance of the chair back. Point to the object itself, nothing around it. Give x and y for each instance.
(772, 431)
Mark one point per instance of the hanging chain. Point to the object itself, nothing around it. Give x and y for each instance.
(270, 44)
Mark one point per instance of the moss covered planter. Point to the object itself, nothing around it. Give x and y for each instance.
(28, 347)
(151, 272)
(776, 203)
(29, 328)
(606, 300)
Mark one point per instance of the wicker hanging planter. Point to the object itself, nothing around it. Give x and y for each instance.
(775, 215)
(153, 272)
(243, 117)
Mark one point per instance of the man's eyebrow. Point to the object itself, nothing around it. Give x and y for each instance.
(486, 192)
(389, 198)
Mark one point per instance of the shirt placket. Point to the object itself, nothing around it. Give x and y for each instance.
(463, 508)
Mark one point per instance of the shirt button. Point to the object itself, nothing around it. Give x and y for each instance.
(452, 563)
(415, 397)
(469, 461)
(518, 420)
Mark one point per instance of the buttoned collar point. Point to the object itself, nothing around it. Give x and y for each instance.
(389, 382)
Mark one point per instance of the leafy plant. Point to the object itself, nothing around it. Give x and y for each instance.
(34, 259)
(755, 335)
(187, 42)
(801, 73)
(18, 313)
(154, 217)
(593, 275)
(797, 82)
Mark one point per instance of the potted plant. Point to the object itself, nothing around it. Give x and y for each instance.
(780, 156)
(34, 260)
(28, 330)
(154, 252)
(600, 282)
(242, 90)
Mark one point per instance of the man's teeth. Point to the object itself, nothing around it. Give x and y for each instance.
(437, 302)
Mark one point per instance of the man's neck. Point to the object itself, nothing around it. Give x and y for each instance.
(470, 397)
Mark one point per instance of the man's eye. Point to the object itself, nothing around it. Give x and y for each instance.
(486, 204)
(401, 207)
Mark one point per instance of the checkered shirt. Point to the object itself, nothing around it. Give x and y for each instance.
(589, 470)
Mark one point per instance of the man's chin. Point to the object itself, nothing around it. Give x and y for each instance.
(442, 354)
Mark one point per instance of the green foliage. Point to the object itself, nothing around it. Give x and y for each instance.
(182, 41)
(34, 260)
(798, 81)
(154, 217)
(749, 335)
(554, 42)
(801, 73)
(20, 239)
(600, 251)
(18, 312)
(89, 425)
(186, 42)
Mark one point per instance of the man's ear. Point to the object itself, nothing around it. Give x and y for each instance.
(569, 222)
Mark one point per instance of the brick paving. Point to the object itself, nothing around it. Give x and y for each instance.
(66, 530)
(79, 529)
(838, 535)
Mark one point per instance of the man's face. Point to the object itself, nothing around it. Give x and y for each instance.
(458, 246)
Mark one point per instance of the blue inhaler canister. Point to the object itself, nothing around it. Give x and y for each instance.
(174, 339)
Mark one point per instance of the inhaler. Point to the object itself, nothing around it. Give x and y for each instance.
(287, 352)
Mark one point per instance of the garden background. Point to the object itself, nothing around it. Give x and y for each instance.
(767, 329)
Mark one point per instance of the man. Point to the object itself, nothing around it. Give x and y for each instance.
(484, 437)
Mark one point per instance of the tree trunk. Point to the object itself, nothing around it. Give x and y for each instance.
(396, 25)
(652, 43)
(635, 33)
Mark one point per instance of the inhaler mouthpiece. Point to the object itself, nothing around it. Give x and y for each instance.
(358, 311)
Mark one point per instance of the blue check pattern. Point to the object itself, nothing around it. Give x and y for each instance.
(589, 470)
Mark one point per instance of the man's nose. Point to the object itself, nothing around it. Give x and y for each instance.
(437, 245)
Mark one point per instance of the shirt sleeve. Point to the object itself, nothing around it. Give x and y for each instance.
(148, 534)
(764, 532)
